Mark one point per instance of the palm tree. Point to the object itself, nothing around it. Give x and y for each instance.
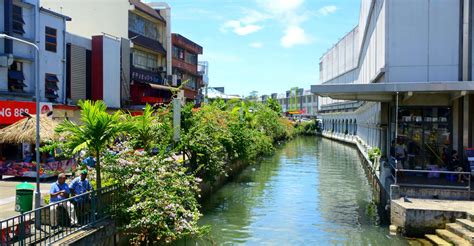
(97, 129)
(145, 128)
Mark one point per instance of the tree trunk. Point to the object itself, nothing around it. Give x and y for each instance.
(97, 168)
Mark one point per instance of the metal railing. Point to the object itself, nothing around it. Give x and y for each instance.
(436, 179)
(47, 224)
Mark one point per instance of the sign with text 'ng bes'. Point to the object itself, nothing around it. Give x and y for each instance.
(10, 111)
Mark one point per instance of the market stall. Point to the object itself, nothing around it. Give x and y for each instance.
(17, 149)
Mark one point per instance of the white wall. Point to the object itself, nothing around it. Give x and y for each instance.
(423, 40)
(93, 17)
(52, 62)
(111, 71)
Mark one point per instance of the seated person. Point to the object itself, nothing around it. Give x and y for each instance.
(60, 191)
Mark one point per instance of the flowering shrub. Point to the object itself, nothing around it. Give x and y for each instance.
(158, 203)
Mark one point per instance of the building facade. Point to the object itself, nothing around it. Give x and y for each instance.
(185, 65)
(142, 33)
(298, 102)
(21, 68)
(402, 77)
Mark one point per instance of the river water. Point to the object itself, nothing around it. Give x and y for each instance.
(313, 191)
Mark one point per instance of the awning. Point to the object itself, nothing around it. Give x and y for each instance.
(163, 87)
(384, 92)
(52, 78)
(16, 75)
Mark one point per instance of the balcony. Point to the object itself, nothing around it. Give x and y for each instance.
(148, 43)
(184, 66)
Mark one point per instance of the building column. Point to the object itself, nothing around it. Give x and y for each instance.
(467, 122)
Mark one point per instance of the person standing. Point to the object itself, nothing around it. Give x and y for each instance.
(80, 185)
(60, 191)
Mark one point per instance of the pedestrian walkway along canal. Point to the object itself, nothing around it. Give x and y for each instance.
(313, 191)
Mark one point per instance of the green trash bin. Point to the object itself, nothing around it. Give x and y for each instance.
(24, 197)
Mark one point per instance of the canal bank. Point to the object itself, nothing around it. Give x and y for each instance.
(312, 191)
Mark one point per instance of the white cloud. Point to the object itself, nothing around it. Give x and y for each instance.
(294, 35)
(240, 28)
(256, 45)
(327, 10)
(281, 6)
(289, 13)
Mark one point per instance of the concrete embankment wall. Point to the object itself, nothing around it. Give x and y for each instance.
(372, 170)
(232, 169)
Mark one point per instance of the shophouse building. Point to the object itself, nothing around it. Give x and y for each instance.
(403, 77)
(141, 31)
(185, 65)
(21, 68)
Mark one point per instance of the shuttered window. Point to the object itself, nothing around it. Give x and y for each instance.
(16, 77)
(51, 87)
(18, 21)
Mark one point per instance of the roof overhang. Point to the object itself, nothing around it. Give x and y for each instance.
(384, 92)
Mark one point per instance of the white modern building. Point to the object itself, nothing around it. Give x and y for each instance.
(403, 76)
(28, 21)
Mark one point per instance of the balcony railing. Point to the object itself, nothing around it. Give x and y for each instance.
(48, 224)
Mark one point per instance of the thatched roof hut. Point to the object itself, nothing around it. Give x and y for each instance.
(24, 131)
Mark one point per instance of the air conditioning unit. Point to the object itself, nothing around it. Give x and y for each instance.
(6, 60)
(174, 80)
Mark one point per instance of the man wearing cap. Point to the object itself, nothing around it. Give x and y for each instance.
(59, 192)
(80, 185)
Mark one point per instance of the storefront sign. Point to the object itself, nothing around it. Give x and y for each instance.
(11, 111)
(146, 76)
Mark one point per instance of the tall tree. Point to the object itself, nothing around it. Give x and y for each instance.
(97, 130)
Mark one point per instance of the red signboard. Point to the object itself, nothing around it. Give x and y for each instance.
(10, 111)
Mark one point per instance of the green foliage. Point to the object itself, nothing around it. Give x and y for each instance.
(97, 130)
(274, 105)
(208, 141)
(307, 128)
(151, 129)
(222, 132)
(158, 201)
(374, 153)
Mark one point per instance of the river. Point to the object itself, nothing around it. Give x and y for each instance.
(312, 191)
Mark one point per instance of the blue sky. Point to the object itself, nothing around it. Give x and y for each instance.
(263, 45)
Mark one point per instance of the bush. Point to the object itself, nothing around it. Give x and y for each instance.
(374, 153)
(158, 201)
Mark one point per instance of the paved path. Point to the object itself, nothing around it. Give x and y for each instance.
(8, 192)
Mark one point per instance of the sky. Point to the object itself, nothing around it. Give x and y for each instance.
(267, 46)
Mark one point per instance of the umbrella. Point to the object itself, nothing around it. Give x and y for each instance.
(24, 130)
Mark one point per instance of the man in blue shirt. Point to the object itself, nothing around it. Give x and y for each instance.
(80, 185)
(59, 192)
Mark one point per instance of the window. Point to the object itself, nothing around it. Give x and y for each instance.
(18, 21)
(191, 58)
(16, 77)
(143, 26)
(178, 53)
(192, 83)
(51, 87)
(51, 40)
(144, 60)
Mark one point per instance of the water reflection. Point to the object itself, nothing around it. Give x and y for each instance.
(311, 192)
